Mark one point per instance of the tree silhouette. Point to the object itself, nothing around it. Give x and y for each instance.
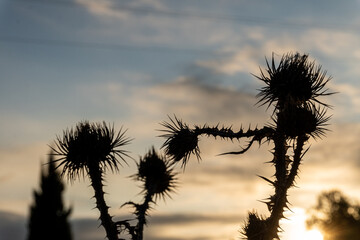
(336, 216)
(48, 216)
(293, 88)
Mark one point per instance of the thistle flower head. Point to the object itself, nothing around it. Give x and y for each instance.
(89, 145)
(296, 121)
(295, 80)
(156, 173)
(255, 228)
(181, 141)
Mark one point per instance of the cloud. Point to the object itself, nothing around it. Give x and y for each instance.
(12, 226)
(87, 229)
(346, 102)
(189, 98)
(104, 8)
(242, 60)
(118, 10)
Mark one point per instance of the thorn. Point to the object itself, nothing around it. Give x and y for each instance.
(266, 179)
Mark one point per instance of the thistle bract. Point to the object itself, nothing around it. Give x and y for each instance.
(156, 173)
(89, 145)
(296, 121)
(182, 141)
(295, 80)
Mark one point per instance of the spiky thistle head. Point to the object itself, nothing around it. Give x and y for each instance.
(157, 174)
(90, 145)
(296, 121)
(181, 141)
(255, 228)
(295, 80)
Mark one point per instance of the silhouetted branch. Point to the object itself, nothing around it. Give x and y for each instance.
(182, 141)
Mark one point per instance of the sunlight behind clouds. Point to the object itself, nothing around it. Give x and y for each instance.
(136, 62)
(295, 227)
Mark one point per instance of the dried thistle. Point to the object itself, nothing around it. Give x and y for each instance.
(157, 174)
(181, 141)
(295, 121)
(90, 149)
(90, 144)
(294, 80)
(293, 88)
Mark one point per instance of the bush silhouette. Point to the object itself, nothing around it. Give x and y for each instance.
(293, 88)
(336, 216)
(48, 216)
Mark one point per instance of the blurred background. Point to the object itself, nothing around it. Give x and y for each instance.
(134, 63)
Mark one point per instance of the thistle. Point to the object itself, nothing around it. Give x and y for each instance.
(295, 80)
(156, 173)
(293, 88)
(90, 145)
(89, 150)
(181, 141)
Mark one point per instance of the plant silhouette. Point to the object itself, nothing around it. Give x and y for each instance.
(48, 216)
(336, 216)
(293, 88)
(93, 148)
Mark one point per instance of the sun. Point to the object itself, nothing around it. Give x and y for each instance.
(295, 227)
(314, 234)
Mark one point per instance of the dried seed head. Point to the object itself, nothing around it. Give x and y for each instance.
(157, 174)
(255, 228)
(89, 145)
(296, 121)
(181, 141)
(295, 80)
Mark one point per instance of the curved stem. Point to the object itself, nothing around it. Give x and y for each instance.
(95, 174)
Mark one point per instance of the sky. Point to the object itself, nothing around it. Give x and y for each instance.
(133, 64)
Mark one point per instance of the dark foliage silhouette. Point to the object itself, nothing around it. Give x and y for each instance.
(48, 216)
(293, 88)
(336, 216)
(93, 148)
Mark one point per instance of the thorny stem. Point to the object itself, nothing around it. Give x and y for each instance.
(297, 159)
(280, 185)
(284, 181)
(96, 182)
(229, 133)
(142, 215)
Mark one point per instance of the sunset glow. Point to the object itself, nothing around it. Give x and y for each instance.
(295, 227)
(133, 64)
(314, 234)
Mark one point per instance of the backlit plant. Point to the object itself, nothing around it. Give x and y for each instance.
(293, 88)
(93, 148)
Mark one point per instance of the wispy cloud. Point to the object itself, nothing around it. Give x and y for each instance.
(104, 8)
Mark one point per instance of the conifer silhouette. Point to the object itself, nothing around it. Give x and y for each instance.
(48, 216)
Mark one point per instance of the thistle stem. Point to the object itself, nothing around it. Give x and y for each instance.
(142, 215)
(95, 174)
(297, 159)
(284, 181)
(280, 197)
